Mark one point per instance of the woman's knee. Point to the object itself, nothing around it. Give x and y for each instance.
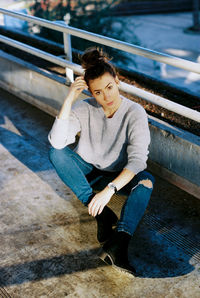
(146, 179)
(56, 155)
(147, 183)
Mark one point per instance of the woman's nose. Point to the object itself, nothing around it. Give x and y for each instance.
(106, 96)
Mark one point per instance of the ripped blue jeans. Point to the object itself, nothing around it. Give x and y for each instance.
(79, 176)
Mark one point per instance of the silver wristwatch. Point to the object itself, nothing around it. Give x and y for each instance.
(113, 187)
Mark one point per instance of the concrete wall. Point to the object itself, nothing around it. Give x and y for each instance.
(174, 153)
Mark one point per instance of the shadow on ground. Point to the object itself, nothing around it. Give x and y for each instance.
(152, 256)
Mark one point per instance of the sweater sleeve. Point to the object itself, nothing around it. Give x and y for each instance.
(64, 132)
(138, 141)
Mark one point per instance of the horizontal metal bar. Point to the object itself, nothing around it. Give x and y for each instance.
(44, 55)
(161, 101)
(155, 99)
(117, 44)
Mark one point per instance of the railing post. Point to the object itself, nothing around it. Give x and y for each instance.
(68, 53)
(67, 48)
(196, 24)
(196, 15)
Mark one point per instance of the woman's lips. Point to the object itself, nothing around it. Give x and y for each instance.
(110, 103)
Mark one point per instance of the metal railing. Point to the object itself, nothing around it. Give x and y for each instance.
(124, 46)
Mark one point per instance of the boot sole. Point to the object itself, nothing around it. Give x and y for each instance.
(107, 259)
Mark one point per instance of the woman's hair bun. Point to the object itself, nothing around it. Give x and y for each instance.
(92, 57)
(96, 63)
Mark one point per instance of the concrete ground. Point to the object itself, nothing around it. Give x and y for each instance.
(48, 245)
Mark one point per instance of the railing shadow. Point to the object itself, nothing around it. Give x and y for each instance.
(48, 268)
(153, 259)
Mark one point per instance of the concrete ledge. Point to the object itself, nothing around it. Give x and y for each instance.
(174, 153)
(27, 81)
(175, 149)
(175, 179)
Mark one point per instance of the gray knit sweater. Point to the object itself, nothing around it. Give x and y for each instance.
(110, 144)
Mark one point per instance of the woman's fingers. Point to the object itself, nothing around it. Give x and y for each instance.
(92, 207)
(76, 88)
(95, 208)
(81, 80)
(80, 84)
(95, 211)
(100, 209)
(99, 201)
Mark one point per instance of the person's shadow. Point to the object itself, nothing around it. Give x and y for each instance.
(150, 253)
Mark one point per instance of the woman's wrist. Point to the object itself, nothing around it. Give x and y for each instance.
(112, 187)
(70, 98)
(66, 109)
(110, 191)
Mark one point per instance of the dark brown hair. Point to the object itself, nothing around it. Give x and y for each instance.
(96, 63)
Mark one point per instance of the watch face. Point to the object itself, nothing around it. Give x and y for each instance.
(112, 186)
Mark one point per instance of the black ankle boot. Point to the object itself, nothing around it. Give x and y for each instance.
(115, 252)
(105, 221)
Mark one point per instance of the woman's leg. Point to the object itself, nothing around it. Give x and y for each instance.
(141, 188)
(72, 170)
(115, 250)
(79, 175)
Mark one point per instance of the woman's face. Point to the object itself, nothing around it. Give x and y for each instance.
(106, 92)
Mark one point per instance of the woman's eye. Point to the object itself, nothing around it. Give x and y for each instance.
(97, 93)
(110, 87)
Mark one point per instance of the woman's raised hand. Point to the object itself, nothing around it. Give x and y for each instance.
(76, 88)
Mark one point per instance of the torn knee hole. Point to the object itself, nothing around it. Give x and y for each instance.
(146, 183)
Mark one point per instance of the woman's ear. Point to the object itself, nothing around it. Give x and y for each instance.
(117, 81)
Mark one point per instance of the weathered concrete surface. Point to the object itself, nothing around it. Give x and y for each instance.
(48, 241)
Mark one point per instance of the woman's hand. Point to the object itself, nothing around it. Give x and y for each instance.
(99, 201)
(76, 88)
(102, 198)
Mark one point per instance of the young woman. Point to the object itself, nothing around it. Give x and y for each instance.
(114, 140)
